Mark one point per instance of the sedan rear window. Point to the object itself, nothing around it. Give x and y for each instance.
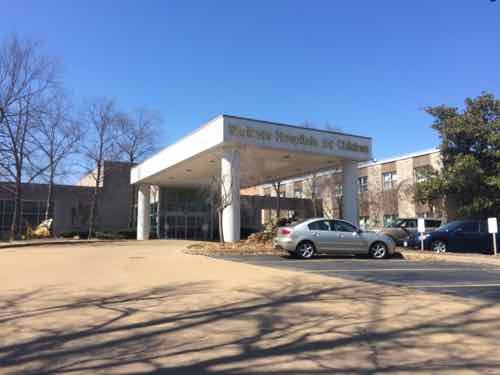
(319, 225)
(342, 226)
(432, 223)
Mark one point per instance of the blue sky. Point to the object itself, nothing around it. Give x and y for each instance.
(366, 67)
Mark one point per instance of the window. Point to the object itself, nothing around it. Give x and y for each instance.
(319, 225)
(362, 184)
(32, 213)
(483, 227)
(389, 220)
(364, 222)
(432, 223)
(267, 192)
(470, 226)
(342, 226)
(388, 180)
(410, 223)
(422, 173)
(338, 190)
(297, 189)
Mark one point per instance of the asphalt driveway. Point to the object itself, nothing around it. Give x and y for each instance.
(460, 279)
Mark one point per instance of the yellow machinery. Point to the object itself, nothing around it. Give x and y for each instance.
(41, 231)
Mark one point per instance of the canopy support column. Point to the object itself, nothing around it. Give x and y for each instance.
(230, 194)
(143, 204)
(350, 191)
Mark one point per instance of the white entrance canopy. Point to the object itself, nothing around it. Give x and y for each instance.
(251, 152)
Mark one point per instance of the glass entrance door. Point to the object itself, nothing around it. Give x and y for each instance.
(189, 226)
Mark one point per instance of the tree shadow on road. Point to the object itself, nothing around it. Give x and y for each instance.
(290, 329)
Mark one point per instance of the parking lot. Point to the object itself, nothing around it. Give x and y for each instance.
(149, 308)
(460, 279)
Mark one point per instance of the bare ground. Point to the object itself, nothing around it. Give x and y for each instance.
(148, 308)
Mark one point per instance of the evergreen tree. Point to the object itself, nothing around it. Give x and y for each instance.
(470, 147)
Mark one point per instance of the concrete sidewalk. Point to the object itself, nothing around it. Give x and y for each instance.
(148, 308)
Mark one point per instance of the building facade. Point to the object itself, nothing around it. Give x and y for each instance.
(385, 189)
(71, 203)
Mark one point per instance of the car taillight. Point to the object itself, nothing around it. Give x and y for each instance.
(285, 231)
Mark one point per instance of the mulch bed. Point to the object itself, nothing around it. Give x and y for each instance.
(239, 248)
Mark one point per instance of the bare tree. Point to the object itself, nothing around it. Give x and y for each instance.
(26, 78)
(100, 145)
(277, 186)
(218, 195)
(57, 137)
(136, 139)
(330, 187)
(312, 184)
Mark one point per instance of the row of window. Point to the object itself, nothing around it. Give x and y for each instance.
(33, 213)
(389, 181)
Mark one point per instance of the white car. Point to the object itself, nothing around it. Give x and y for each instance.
(321, 235)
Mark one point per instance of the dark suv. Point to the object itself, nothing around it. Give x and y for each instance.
(404, 229)
(460, 235)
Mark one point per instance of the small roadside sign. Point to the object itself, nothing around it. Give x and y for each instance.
(421, 230)
(493, 229)
(492, 225)
(421, 225)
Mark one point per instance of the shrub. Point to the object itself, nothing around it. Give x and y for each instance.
(108, 236)
(71, 234)
(129, 233)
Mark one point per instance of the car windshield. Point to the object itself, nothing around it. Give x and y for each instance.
(451, 226)
(396, 224)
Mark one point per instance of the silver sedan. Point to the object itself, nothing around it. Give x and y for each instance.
(313, 236)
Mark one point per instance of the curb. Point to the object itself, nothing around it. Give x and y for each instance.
(69, 242)
(480, 259)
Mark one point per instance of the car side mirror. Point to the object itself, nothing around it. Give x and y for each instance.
(359, 231)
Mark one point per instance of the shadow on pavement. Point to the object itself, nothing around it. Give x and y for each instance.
(293, 329)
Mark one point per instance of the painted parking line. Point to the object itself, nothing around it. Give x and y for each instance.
(396, 269)
(446, 286)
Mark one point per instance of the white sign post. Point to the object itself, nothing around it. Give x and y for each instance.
(493, 229)
(421, 231)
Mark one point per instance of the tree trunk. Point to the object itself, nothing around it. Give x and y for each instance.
(221, 231)
(278, 208)
(15, 227)
(93, 208)
(49, 195)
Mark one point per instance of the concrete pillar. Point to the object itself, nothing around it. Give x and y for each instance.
(350, 191)
(143, 222)
(230, 194)
(158, 212)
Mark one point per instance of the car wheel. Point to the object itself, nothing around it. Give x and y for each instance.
(378, 250)
(439, 246)
(305, 250)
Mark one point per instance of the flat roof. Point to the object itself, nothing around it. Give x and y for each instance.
(399, 157)
(263, 146)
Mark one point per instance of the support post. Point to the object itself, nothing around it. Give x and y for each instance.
(350, 191)
(143, 205)
(230, 194)
(158, 212)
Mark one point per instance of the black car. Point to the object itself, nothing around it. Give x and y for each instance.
(460, 235)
